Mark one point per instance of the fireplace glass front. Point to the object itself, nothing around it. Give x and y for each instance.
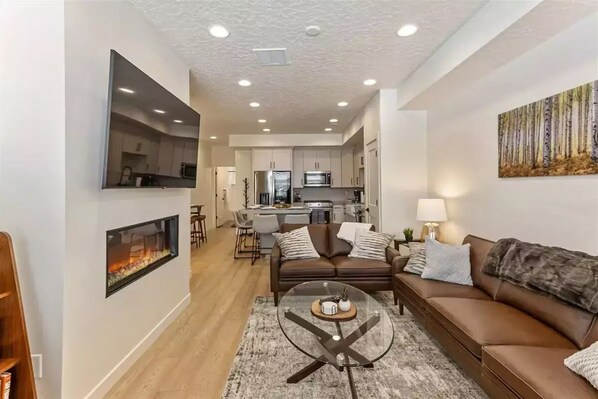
(134, 251)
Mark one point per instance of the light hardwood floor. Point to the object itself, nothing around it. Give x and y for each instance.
(192, 358)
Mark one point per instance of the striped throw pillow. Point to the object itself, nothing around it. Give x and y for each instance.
(371, 245)
(417, 258)
(296, 244)
(585, 363)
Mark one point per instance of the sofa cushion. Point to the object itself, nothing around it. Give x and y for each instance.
(569, 320)
(357, 267)
(422, 289)
(317, 232)
(476, 323)
(305, 268)
(478, 251)
(536, 372)
(337, 246)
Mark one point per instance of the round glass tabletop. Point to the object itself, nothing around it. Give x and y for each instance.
(358, 342)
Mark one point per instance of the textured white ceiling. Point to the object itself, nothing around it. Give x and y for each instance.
(358, 41)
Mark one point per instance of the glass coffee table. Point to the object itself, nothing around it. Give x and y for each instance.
(359, 342)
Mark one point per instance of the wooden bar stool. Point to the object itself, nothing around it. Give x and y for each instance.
(198, 226)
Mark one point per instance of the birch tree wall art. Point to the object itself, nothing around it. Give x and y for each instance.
(557, 136)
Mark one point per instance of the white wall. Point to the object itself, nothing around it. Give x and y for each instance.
(222, 156)
(285, 140)
(32, 170)
(204, 192)
(99, 332)
(369, 119)
(462, 145)
(403, 165)
(243, 167)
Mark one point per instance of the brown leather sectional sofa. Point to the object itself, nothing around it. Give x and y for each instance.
(333, 264)
(510, 340)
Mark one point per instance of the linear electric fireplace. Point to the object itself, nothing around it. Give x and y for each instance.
(134, 251)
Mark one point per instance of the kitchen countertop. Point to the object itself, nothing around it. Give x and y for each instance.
(277, 211)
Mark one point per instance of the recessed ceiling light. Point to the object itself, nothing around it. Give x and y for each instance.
(262, 120)
(328, 129)
(407, 30)
(126, 90)
(369, 82)
(213, 137)
(254, 105)
(266, 130)
(159, 111)
(244, 83)
(333, 120)
(177, 121)
(343, 104)
(219, 31)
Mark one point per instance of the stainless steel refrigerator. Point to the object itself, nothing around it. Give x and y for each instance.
(272, 187)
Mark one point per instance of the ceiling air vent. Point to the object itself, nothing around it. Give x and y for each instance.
(271, 56)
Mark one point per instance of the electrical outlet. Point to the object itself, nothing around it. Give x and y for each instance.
(36, 361)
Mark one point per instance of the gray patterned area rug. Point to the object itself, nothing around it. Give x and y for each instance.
(415, 367)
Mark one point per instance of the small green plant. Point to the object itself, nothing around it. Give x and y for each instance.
(344, 295)
(408, 233)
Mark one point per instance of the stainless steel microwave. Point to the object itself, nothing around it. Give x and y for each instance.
(316, 179)
(188, 170)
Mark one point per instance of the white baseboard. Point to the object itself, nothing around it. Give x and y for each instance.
(119, 370)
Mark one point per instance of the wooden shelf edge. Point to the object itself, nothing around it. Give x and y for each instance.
(5, 294)
(7, 364)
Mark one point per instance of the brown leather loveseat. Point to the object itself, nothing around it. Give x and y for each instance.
(510, 340)
(333, 264)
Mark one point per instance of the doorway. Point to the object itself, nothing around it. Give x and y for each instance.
(223, 194)
(373, 184)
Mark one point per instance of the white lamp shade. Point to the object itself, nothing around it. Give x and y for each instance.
(431, 210)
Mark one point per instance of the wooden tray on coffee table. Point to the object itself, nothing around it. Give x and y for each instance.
(340, 316)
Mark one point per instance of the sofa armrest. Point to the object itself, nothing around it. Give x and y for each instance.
(275, 263)
(391, 254)
(398, 264)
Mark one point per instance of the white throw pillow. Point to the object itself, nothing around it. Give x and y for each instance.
(585, 363)
(417, 258)
(296, 244)
(448, 263)
(371, 245)
(348, 231)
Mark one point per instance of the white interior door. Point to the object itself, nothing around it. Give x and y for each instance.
(373, 184)
(223, 191)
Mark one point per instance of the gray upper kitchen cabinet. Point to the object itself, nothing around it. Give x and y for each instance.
(358, 163)
(316, 160)
(298, 169)
(323, 158)
(310, 160)
(336, 168)
(272, 159)
(347, 167)
(165, 155)
(178, 156)
(153, 148)
(136, 142)
(190, 151)
(282, 159)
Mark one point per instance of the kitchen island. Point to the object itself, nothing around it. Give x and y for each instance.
(267, 240)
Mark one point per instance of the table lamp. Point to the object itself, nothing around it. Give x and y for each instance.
(431, 210)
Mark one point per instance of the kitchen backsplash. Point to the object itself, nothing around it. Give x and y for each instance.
(332, 194)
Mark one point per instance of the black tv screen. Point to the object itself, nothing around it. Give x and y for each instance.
(153, 137)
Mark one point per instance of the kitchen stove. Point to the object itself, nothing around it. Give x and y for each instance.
(320, 210)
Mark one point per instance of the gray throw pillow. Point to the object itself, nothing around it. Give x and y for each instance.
(370, 245)
(448, 263)
(417, 258)
(296, 244)
(585, 363)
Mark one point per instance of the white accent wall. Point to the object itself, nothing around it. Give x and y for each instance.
(32, 170)
(462, 151)
(55, 68)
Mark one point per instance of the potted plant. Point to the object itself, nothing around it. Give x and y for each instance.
(344, 304)
(408, 233)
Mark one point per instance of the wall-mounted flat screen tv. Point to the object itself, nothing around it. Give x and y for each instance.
(153, 137)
